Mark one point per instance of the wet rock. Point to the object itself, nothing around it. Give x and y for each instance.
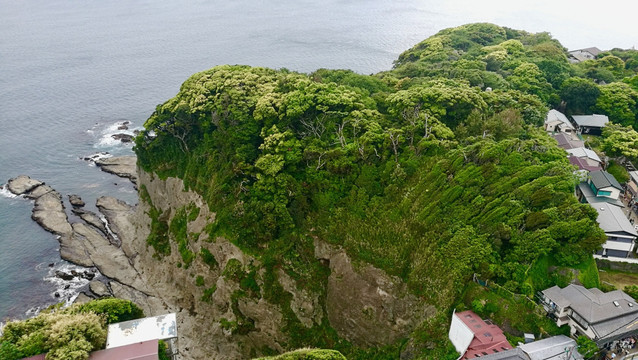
(122, 166)
(76, 201)
(66, 287)
(117, 213)
(51, 264)
(22, 184)
(57, 294)
(64, 276)
(125, 138)
(96, 157)
(122, 127)
(88, 275)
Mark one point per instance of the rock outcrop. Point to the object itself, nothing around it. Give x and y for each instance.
(122, 166)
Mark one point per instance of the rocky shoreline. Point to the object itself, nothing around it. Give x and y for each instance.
(92, 243)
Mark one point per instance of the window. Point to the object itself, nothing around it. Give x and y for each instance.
(603, 193)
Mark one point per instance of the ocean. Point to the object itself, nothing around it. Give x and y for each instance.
(72, 71)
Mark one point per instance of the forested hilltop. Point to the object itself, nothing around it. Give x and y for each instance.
(434, 171)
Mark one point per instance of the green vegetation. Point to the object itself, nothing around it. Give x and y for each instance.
(421, 171)
(307, 354)
(65, 334)
(586, 347)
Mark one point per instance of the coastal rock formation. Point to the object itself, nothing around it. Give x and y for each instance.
(22, 184)
(76, 201)
(122, 166)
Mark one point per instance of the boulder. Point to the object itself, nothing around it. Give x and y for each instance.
(76, 201)
(82, 298)
(99, 288)
(63, 275)
(22, 184)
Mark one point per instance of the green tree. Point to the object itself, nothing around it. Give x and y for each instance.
(580, 95)
(619, 102)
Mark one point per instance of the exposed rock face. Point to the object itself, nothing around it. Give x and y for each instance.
(91, 219)
(367, 306)
(122, 166)
(99, 288)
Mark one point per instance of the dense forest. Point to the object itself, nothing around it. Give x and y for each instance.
(435, 171)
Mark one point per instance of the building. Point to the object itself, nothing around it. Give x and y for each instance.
(583, 164)
(621, 234)
(631, 192)
(147, 350)
(556, 121)
(604, 184)
(591, 124)
(162, 327)
(473, 337)
(558, 347)
(567, 141)
(602, 317)
(579, 55)
(587, 156)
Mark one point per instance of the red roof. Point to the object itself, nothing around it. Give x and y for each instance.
(582, 164)
(146, 350)
(488, 338)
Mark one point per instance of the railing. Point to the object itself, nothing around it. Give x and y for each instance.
(615, 259)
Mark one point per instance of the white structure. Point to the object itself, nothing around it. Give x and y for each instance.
(557, 121)
(583, 54)
(460, 334)
(590, 156)
(162, 327)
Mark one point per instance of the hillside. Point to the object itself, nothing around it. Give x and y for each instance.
(337, 184)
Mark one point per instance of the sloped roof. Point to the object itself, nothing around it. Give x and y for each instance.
(553, 348)
(488, 338)
(592, 199)
(513, 354)
(634, 176)
(565, 141)
(594, 305)
(583, 152)
(602, 179)
(594, 120)
(555, 115)
(582, 164)
(613, 220)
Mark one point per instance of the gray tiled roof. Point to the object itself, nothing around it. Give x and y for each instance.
(513, 354)
(594, 120)
(595, 306)
(634, 176)
(565, 141)
(592, 199)
(612, 219)
(583, 152)
(603, 179)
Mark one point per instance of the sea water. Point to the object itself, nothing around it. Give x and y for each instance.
(72, 72)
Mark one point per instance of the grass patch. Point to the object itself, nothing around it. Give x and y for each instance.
(618, 279)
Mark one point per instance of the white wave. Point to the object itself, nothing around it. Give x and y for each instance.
(97, 156)
(68, 290)
(106, 139)
(6, 193)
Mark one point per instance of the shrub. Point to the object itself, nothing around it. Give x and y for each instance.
(114, 310)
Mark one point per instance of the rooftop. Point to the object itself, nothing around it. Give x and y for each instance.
(594, 305)
(555, 115)
(567, 142)
(594, 120)
(488, 338)
(602, 179)
(582, 164)
(583, 152)
(612, 219)
(592, 199)
(553, 348)
(129, 332)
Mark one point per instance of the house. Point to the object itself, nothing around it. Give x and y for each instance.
(621, 234)
(556, 121)
(600, 186)
(602, 317)
(473, 337)
(558, 347)
(566, 141)
(147, 350)
(579, 55)
(632, 186)
(583, 164)
(587, 156)
(591, 124)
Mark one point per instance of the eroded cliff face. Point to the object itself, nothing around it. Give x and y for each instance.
(222, 316)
